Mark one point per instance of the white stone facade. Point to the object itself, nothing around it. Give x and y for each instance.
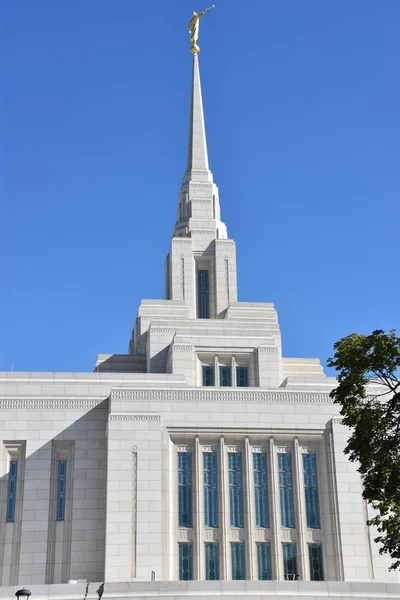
(112, 514)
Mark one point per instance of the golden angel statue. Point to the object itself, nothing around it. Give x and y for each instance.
(193, 28)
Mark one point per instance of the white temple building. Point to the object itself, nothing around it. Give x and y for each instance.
(202, 463)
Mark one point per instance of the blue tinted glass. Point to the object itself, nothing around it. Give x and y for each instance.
(235, 489)
(238, 562)
(225, 379)
(286, 490)
(185, 562)
(185, 489)
(315, 557)
(208, 375)
(203, 295)
(11, 491)
(212, 562)
(264, 561)
(210, 489)
(242, 376)
(61, 481)
(289, 560)
(261, 489)
(311, 491)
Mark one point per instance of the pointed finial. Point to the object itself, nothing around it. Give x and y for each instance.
(193, 28)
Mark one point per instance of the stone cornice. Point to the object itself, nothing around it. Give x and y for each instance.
(220, 395)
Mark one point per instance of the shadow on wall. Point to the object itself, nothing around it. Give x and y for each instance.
(55, 531)
(120, 363)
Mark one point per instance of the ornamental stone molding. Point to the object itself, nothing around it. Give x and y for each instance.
(162, 330)
(267, 349)
(49, 404)
(134, 417)
(200, 185)
(219, 395)
(308, 450)
(176, 240)
(182, 348)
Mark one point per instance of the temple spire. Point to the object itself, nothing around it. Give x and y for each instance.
(197, 153)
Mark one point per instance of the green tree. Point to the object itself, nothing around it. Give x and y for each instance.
(369, 396)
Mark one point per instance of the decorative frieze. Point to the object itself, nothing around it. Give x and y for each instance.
(49, 403)
(258, 449)
(185, 448)
(162, 330)
(182, 348)
(233, 448)
(267, 349)
(209, 448)
(134, 417)
(200, 185)
(218, 395)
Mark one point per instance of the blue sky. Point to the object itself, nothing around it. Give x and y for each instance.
(302, 112)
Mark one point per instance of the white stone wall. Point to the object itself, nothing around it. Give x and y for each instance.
(127, 459)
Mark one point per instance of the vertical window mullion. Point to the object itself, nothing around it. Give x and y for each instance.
(286, 490)
(261, 490)
(12, 491)
(235, 489)
(185, 489)
(311, 491)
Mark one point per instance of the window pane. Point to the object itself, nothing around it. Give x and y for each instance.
(185, 489)
(235, 489)
(210, 489)
(203, 295)
(242, 376)
(12, 490)
(61, 481)
(212, 562)
(225, 379)
(238, 563)
(208, 375)
(286, 489)
(261, 489)
(315, 556)
(264, 561)
(185, 562)
(289, 561)
(311, 491)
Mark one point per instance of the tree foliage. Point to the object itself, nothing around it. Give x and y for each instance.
(369, 396)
